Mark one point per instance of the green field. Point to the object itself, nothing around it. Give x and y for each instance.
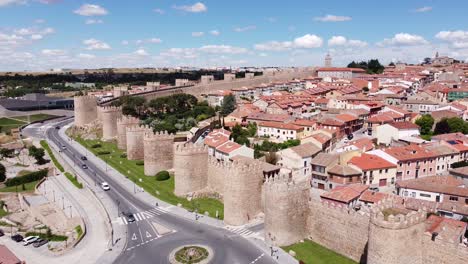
(6, 124)
(312, 253)
(33, 118)
(28, 187)
(163, 190)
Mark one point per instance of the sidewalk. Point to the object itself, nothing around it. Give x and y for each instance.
(145, 197)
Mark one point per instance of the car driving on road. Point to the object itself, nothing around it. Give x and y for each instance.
(84, 166)
(105, 186)
(129, 216)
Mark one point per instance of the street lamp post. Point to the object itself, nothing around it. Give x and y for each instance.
(118, 207)
(63, 203)
(71, 211)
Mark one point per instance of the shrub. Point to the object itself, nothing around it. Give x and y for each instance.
(74, 180)
(162, 176)
(96, 145)
(52, 156)
(30, 177)
(140, 163)
(104, 152)
(2, 173)
(123, 155)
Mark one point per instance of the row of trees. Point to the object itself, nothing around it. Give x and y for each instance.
(444, 126)
(372, 66)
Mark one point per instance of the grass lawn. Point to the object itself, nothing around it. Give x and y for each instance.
(312, 253)
(28, 187)
(2, 211)
(32, 118)
(23, 172)
(6, 124)
(163, 190)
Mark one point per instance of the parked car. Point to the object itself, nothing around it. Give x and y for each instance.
(40, 242)
(1, 233)
(129, 216)
(17, 238)
(29, 240)
(374, 189)
(57, 127)
(105, 186)
(84, 158)
(84, 166)
(350, 136)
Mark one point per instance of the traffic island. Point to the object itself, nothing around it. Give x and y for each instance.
(191, 254)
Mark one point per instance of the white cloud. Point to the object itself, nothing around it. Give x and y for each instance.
(458, 38)
(263, 54)
(86, 56)
(222, 49)
(195, 8)
(141, 52)
(125, 42)
(159, 11)
(12, 2)
(91, 10)
(307, 41)
(94, 44)
(198, 34)
(93, 21)
(403, 39)
(215, 32)
(242, 29)
(332, 18)
(151, 40)
(53, 52)
(424, 9)
(36, 36)
(344, 42)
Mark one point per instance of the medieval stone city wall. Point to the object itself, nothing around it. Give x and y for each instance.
(134, 139)
(122, 124)
(242, 191)
(217, 171)
(285, 210)
(85, 110)
(338, 228)
(443, 252)
(158, 152)
(190, 168)
(395, 238)
(109, 115)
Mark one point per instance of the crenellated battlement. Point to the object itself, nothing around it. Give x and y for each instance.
(109, 109)
(136, 128)
(243, 167)
(381, 218)
(85, 99)
(158, 136)
(190, 149)
(126, 120)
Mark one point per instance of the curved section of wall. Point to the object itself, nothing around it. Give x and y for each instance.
(122, 124)
(85, 110)
(109, 115)
(134, 139)
(190, 168)
(158, 152)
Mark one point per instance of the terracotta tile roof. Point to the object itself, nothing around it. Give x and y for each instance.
(322, 138)
(281, 126)
(228, 147)
(446, 228)
(322, 101)
(268, 117)
(215, 140)
(343, 170)
(442, 150)
(444, 114)
(345, 194)
(331, 122)
(331, 69)
(324, 159)
(410, 152)
(438, 184)
(362, 143)
(304, 122)
(461, 171)
(368, 162)
(372, 197)
(346, 117)
(404, 125)
(306, 150)
(451, 136)
(380, 118)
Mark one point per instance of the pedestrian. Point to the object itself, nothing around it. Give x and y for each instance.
(157, 204)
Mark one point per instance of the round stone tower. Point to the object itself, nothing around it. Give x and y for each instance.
(190, 168)
(109, 115)
(395, 239)
(122, 124)
(135, 135)
(242, 191)
(158, 152)
(286, 210)
(85, 110)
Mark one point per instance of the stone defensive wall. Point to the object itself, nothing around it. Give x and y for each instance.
(134, 138)
(228, 84)
(122, 124)
(216, 175)
(85, 110)
(339, 228)
(442, 251)
(158, 152)
(109, 115)
(190, 168)
(286, 209)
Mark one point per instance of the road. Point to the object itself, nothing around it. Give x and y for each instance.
(145, 241)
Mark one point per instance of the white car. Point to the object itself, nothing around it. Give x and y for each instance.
(30, 239)
(105, 186)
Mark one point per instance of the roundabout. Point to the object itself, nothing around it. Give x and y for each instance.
(191, 254)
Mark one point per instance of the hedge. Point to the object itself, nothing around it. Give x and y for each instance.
(96, 146)
(105, 152)
(140, 163)
(123, 155)
(74, 180)
(162, 176)
(30, 177)
(52, 156)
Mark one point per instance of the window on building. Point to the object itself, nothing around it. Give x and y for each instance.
(437, 167)
(380, 171)
(405, 193)
(453, 198)
(425, 195)
(424, 170)
(386, 170)
(407, 172)
(413, 194)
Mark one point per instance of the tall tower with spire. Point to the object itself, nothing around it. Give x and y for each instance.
(328, 60)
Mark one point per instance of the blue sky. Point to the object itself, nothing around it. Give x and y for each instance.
(44, 34)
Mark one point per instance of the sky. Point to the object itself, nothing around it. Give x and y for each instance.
(47, 34)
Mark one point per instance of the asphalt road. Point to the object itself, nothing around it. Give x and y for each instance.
(144, 244)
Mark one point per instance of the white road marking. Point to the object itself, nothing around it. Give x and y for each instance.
(258, 258)
(141, 236)
(134, 237)
(148, 235)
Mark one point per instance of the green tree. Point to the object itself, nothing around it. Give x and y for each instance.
(442, 127)
(425, 122)
(2, 173)
(6, 153)
(391, 64)
(229, 105)
(457, 124)
(37, 153)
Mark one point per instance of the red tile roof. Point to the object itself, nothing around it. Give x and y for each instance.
(404, 125)
(281, 126)
(346, 117)
(345, 194)
(331, 69)
(410, 152)
(228, 147)
(368, 162)
(446, 228)
(372, 197)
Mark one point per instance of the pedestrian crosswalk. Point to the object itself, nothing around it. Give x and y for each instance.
(142, 216)
(241, 231)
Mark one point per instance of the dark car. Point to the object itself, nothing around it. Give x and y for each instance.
(17, 238)
(40, 242)
(1, 233)
(57, 127)
(84, 166)
(84, 158)
(129, 216)
(350, 136)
